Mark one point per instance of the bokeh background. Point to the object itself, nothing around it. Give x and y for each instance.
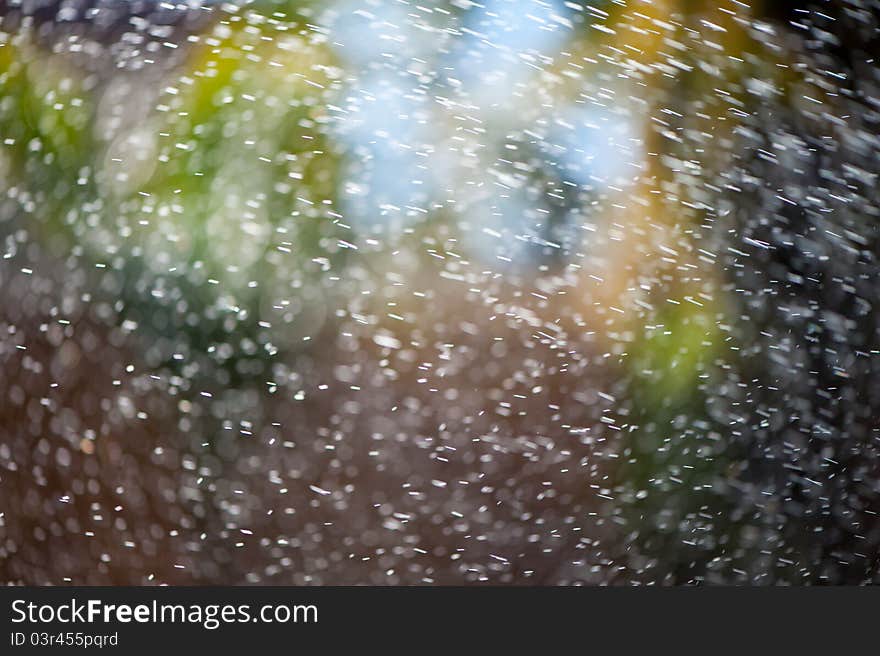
(391, 292)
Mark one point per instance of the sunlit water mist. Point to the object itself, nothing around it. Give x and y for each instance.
(371, 292)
